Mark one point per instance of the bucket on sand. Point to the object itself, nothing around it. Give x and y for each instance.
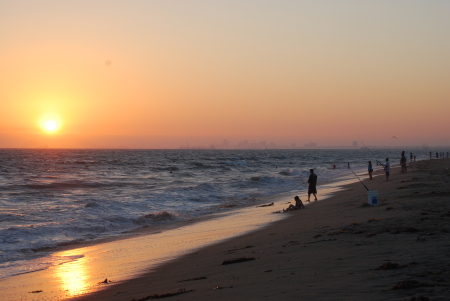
(373, 197)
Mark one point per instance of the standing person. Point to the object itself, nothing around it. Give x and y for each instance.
(403, 162)
(411, 156)
(370, 169)
(312, 181)
(387, 168)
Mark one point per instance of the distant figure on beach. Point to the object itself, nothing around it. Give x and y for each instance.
(414, 158)
(348, 165)
(411, 156)
(403, 162)
(447, 156)
(298, 205)
(387, 168)
(312, 181)
(437, 155)
(334, 165)
(370, 170)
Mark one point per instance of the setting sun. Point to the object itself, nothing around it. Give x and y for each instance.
(50, 125)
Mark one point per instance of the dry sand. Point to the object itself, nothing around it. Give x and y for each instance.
(338, 249)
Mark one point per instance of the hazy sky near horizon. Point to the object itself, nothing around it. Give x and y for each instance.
(164, 73)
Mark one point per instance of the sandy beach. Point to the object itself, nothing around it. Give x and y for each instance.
(339, 249)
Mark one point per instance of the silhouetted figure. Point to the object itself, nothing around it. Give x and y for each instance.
(387, 168)
(370, 170)
(298, 205)
(312, 181)
(403, 162)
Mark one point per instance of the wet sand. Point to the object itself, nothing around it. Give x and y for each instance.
(339, 249)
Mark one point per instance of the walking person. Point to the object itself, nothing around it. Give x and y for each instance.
(370, 169)
(312, 181)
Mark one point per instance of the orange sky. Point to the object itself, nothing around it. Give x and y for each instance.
(160, 74)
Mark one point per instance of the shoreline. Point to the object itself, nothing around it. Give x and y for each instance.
(338, 249)
(248, 218)
(246, 244)
(327, 188)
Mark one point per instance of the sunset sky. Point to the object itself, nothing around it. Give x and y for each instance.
(160, 74)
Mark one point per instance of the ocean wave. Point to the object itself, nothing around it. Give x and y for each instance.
(266, 179)
(170, 168)
(290, 172)
(200, 165)
(157, 217)
(10, 217)
(92, 204)
(84, 162)
(206, 186)
(72, 185)
(17, 267)
(237, 162)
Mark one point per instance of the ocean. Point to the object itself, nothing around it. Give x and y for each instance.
(63, 197)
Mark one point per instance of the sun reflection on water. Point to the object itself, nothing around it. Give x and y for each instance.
(73, 275)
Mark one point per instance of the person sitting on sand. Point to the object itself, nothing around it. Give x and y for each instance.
(298, 205)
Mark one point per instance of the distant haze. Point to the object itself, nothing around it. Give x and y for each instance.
(170, 74)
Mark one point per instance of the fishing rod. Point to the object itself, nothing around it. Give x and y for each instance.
(359, 179)
(378, 162)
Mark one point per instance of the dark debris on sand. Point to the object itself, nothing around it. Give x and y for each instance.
(266, 205)
(242, 259)
(410, 284)
(237, 249)
(193, 279)
(390, 266)
(420, 298)
(165, 295)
